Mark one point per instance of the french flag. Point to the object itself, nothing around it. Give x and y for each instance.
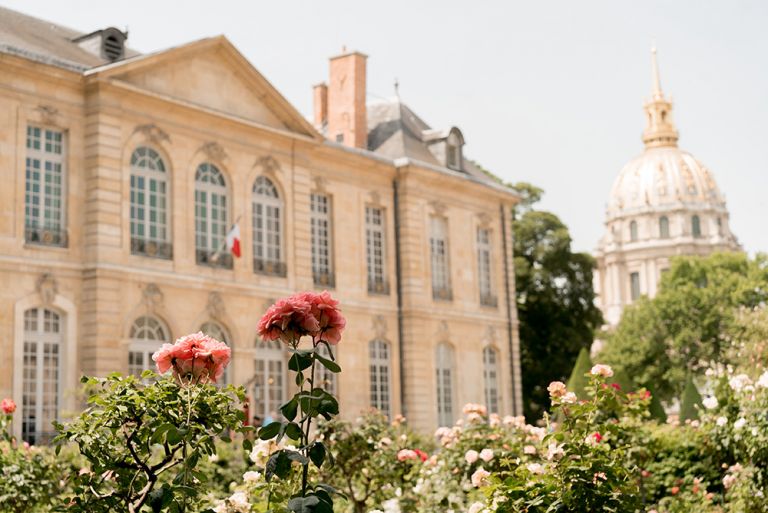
(233, 240)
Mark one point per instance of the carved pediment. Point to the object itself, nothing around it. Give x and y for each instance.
(153, 133)
(214, 151)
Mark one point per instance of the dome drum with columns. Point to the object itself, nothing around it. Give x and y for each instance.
(663, 203)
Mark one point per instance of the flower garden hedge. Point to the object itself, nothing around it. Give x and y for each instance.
(177, 443)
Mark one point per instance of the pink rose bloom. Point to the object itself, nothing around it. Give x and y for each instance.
(471, 456)
(288, 319)
(601, 370)
(486, 455)
(407, 454)
(557, 389)
(196, 356)
(8, 406)
(325, 309)
(474, 408)
(480, 477)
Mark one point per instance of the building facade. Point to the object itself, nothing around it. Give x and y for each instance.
(122, 174)
(664, 203)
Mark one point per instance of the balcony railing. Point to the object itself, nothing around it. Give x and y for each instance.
(151, 248)
(45, 236)
(214, 259)
(324, 279)
(442, 294)
(269, 267)
(489, 300)
(378, 287)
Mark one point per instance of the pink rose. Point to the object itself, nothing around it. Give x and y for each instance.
(601, 370)
(471, 456)
(407, 454)
(557, 389)
(480, 477)
(486, 455)
(8, 406)
(325, 309)
(196, 356)
(305, 313)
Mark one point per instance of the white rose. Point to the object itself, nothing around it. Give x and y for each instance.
(252, 477)
(740, 423)
(710, 402)
(721, 421)
(601, 370)
(486, 455)
(471, 456)
(762, 381)
(476, 507)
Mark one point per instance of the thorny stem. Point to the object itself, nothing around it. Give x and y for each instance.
(305, 469)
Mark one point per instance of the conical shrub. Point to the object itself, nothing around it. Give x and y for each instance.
(577, 383)
(690, 402)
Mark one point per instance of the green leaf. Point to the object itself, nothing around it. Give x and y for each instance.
(296, 456)
(247, 445)
(293, 431)
(290, 408)
(317, 453)
(298, 362)
(278, 465)
(173, 435)
(328, 364)
(269, 431)
(159, 435)
(303, 504)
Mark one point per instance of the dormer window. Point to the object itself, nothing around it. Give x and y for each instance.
(108, 43)
(453, 144)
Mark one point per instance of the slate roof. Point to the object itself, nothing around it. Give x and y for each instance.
(45, 42)
(395, 131)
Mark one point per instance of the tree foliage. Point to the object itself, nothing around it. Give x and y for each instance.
(555, 299)
(690, 322)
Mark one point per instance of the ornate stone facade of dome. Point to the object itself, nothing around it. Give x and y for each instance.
(663, 203)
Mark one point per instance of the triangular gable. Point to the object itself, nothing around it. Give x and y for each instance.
(211, 73)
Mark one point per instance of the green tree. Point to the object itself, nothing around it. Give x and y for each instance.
(689, 323)
(577, 383)
(555, 299)
(690, 402)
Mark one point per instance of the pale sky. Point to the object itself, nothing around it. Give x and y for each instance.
(548, 92)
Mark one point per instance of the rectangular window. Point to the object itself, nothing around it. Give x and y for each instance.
(444, 381)
(322, 240)
(438, 247)
(484, 272)
(44, 198)
(634, 281)
(374, 250)
(378, 355)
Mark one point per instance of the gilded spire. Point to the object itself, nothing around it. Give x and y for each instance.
(655, 73)
(659, 129)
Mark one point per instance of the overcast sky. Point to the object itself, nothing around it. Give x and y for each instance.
(548, 92)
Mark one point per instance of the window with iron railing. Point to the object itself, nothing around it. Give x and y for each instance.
(267, 229)
(438, 247)
(211, 217)
(150, 235)
(380, 385)
(484, 269)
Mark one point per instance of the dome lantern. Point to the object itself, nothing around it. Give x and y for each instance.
(660, 128)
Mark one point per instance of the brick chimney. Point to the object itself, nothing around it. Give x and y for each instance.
(320, 102)
(347, 119)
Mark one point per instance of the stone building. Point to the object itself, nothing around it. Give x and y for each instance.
(122, 173)
(663, 203)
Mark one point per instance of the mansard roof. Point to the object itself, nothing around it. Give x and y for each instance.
(46, 42)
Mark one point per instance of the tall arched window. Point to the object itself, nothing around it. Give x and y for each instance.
(325, 378)
(633, 231)
(147, 335)
(379, 363)
(217, 331)
(444, 381)
(664, 227)
(439, 258)
(149, 204)
(43, 343)
(491, 379)
(45, 198)
(268, 255)
(269, 379)
(211, 217)
(696, 226)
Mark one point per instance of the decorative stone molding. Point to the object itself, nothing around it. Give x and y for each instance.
(268, 165)
(153, 296)
(215, 306)
(375, 198)
(442, 334)
(380, 326)
(48, 114)
(438, 208)
(47, 287)
(153, 133)
(489, 337)
(319, 183)
(214, 151)
(484, 219)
